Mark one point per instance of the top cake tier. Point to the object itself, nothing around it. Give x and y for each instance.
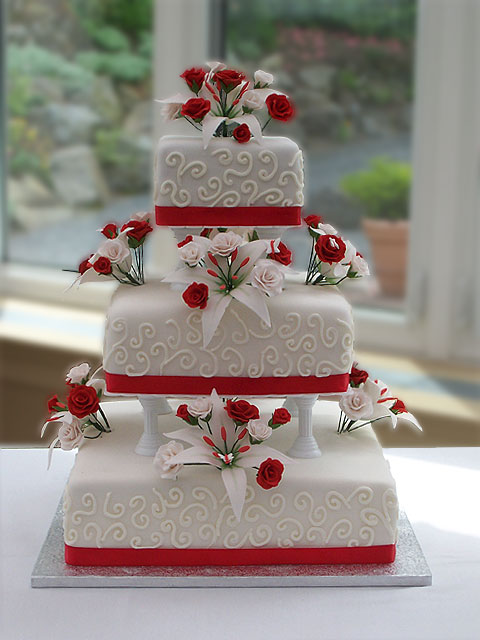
(228, 184)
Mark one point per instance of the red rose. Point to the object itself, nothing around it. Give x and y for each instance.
(110, 230)
(282, 255)
(242, 411)
(194, 77)
(103, 265)
(279, 107)
(182, 413)
(196, 295)
(270, 473)
(82, 400)
(399, 407)
(184, 242)
(85, 265)
(228, 79)
(242, 133)
(205, 232)
(281, 416)
(357, 376)
(54, 404)
(137, 229)
(330, 248)
(195, 108)
(313, 221)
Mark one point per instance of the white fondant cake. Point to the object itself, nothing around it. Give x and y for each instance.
(152, 336)
(228, 175)
(115, 499)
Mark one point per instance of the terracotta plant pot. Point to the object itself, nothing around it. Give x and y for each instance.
(389, 244)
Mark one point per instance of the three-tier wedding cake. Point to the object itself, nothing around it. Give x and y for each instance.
(245, 463)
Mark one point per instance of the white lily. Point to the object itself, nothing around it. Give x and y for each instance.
(231, 452)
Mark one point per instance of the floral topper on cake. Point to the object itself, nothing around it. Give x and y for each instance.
(332, 258)
(78, 418)
(227, 103)
(226, 267)
(366, 401)
(120, 255)
(230, 437)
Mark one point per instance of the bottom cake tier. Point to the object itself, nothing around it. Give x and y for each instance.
(338, 508)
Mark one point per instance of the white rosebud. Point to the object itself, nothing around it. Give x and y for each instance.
(262, 77)
(259, 430)
(70, 433)
(163, 459)
(78, 373)
(225, 243)
(325, 229)
(191, 253)
(356, 404)
(360, 265)
(252, 100)
(115, 249)
(200, 407)
(268, 277)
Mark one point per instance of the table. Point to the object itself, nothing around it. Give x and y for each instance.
(438, 488)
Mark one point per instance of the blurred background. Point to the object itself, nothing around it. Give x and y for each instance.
(388, 115)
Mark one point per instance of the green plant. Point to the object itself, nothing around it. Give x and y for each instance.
(108, 38)
(31, 60)
(382, 190)
(130, 16)
(20, 96)
(27, 153)
(123, 66)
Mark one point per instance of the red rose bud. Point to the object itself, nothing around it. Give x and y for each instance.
(244, 449)
(212, 273)
(103, 265)
(243, 433)
(357, 377)
(205, 232)
(399, 407)
(216, 454)
(195, 108)
(228, 79)
(184, 242)
(281, 416)
(182, 412)
(196, 295)
(270, 473)
(82, 400)
(85, 265)
(110, 230)
(209, 441)
(241, 411)
(313, 221)
(283, 255)
(245, 262)
(194, 77)
(279, 107)
(223, 433)
(137, 229)
(234, 255)
(213, 260)
(53, 404)
(212, 91)
(242, 133)
(330, 248)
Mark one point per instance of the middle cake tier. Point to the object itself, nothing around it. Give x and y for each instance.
(154, 345)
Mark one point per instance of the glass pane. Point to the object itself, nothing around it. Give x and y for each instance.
(79, 123)
(348, 66)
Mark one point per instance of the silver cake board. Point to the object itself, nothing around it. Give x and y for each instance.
(410, 569)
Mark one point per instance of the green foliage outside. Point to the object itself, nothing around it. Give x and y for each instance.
(382, 190)
(27, 153)
(122, 66)
(129, 16)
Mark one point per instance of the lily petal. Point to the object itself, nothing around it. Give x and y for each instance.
(194, 455)
(254, 300)
(253, 124)
(212, 314)
(210, 124)
(235, 481)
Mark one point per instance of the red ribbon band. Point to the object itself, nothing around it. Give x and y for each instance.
(228, 386)
(83, 556)
(228, 216)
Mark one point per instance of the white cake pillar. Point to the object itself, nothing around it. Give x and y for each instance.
(305, 446)
(291, 406)
(151, 439)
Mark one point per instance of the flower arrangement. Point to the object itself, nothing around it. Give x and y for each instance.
(332, 259)
(78, 417)
(367, 401)
(227, 103)
(222, 267)
(120, 256)
(230, 437)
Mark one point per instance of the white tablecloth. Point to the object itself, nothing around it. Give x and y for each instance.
(438, 488)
